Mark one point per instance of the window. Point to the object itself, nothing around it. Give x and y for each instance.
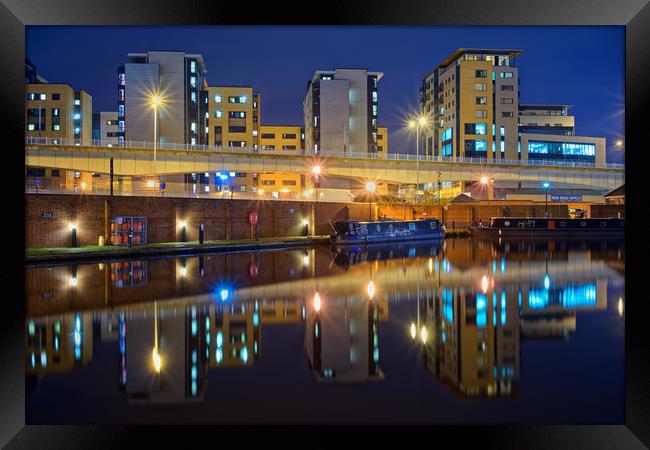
(55, 172)
(56, 96)
(268, 135)
(447, 134)
(236, 129)
(193, 127)
(475, 145)
(193, 142)
(288, 147)
(121, 79)
(43, 96)
(476, 128)
(506, 113)
(481, 100)
(31, 96)
(240, 99)
(447, 149)
(254, 132)
(562, 148)
(481, 74)
(268, 182)
(193, 97)
(31, 127)
(217, 114)
(506, 101)
(120, 110)
(193, 66)
(237, 143)
(193, 81)
(315, 121)
(507, 87)
(56, 127)
(481, 113)
(121, 95)
(120, 126)
(503, 130)
(505, 74)
(217, 99)
(77, 116)
(480, 86)
(374, 96)
(288, 182)
(288, 135)
(374, 110)
(268, 147)
(237, 114)
(77, 102)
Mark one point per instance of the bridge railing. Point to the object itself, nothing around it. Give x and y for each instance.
(322, 154)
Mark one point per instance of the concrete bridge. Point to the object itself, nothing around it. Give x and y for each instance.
(399, 169)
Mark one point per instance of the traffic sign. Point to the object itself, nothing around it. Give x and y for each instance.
(252, 218)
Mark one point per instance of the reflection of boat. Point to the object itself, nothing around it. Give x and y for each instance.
(535, 226)
(347, 255)
(353, 232)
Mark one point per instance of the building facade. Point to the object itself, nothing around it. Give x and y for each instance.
(178, 78)
(546, 119)
(108, 128)
(341, 111)
(59, 113)
(233, 117)
(472, 97)
(382, 142)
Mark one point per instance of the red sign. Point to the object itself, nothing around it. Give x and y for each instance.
(252, 217)
(252, 270)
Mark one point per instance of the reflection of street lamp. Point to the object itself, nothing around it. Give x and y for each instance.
(370, 187)
(414, 331)
(155, 356)
(620, 306)
(546, 186)
(317, 303)
(371, 289)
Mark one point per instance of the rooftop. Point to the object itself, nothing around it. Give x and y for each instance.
(481, 51)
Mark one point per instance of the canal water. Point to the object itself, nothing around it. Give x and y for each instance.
(460, 331)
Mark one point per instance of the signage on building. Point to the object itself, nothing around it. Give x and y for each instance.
(48, 215)
(252, 217)
(566, 198)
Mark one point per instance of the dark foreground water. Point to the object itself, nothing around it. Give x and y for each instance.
(464, 331)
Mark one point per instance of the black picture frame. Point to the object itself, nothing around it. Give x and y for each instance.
(633, 14)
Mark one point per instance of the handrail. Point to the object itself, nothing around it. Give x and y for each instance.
(322, 154)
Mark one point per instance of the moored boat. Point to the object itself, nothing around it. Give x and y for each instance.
(536, 226)
(354, 232)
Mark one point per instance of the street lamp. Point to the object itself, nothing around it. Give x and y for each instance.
(370, 187)
(546, 186)
(155, 101)
(73, 230)
(316, 171)
(619, 144)
(485, 181)
(416, 123)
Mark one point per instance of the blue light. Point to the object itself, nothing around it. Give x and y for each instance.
(327, 373)
(547, 282)
(225, 293)
(448, 305)
(223, 176)
(537, 299)
(33, 360)
(255, 346)
(316, 329)
(244, 355)
(546, 184)
(193, 387)
(193, 372)
(411, 252)
(56, 343)
(194, 357)
(256, 319)
(494, 265)
(503, 307)
(218, 355)
(77, 353)
(375, 355)
(503, 264)
(219, 339)
(444, 337)
(481, 313)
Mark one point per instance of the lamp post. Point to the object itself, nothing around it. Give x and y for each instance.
(156, 101)
(73, 231)
(546, 186)
(417, 123)
(370, 187)
(316, 171)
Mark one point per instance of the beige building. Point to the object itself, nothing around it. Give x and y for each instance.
(382, 142)
(59, 113)
(233, 117)
(281, 139)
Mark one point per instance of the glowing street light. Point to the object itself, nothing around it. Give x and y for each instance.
(370, 188)
(155, 102)
(620, 306)
(546, 185)
(317, 303)
(316, 170)
(423, 334)
(371, 289)
(619, 143)
(414, 331)
(416, 123)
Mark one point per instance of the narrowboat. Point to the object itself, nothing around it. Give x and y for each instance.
(550, 227)
(353, 232)
(349, 255)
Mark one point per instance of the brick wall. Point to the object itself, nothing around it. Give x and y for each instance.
(604, 211)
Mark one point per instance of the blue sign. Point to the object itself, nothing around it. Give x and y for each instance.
(162, 186)
(566, 198)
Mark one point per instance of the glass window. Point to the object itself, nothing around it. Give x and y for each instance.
(475, 145)
(193, 66)
(43, 96)
(481, 74)
(480, 86)
(481, 100)
(56, 127)
(506, 101)
(507, 87)
(447, 134)
(505, 74)
(374, 96)
(120, 110)
(217, 99)
(506, 114)
(193, 127)
(77, 102)
(217, 113)
(503, 130)
(193, 95)
(193, 81)
(447, 149)
(56, 96)
(268, 135)
(121, 79)
(481, 113)
(476, 128)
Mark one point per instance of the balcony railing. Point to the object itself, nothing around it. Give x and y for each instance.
(63, 142)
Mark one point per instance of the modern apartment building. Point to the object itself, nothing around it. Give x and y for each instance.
(546, 119)
(281, 139)
(473, 98)
(341, 111)
(233, 117)
(179, 79)
(31, 74)
(108, 128)
(58, 112)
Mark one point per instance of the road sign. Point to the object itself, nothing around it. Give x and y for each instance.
(162, 186)
(252, 217)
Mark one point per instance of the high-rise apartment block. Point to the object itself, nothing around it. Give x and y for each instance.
(179, 79)
(341, 111)
(546, 119)
(233, 117)
(59, 113)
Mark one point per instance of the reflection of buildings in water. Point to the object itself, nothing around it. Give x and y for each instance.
(236, 334)
(341, 339)
(58, 343)
(472, 340)
(184, 355)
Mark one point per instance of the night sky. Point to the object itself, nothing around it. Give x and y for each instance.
(580, 66)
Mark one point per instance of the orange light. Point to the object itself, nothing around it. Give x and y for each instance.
(317, 302)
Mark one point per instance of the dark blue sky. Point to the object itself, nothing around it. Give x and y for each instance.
(580, 66)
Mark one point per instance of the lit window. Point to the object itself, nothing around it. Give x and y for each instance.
(481, 113)
(242, 99)
(193, 66)
(77, 116)
(120, 110)
(55, 111)
(56, 127)
(480, 86)
(193, 141)
(503, 130)
(374, 96)
(194, 97)
(315, 121)
(77, 102)
(193, 127)
(43, 97)
(77, 130)
(31, 96)
(217, 99)
(193, 81)
(31, 127)
(254, 132)
(217, 114)
(505, 74)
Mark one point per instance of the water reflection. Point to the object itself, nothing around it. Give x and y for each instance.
(171, 322)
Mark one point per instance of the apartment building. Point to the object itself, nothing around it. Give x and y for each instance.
(341, 111)
(108, 128)
(546, 119)
(59, 113)
(382, 142)
(233, 117)
(178, 78)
